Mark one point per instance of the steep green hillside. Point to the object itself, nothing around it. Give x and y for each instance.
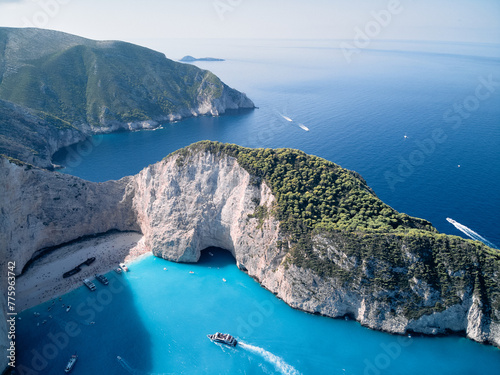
(100, 82)
(339, 229)
(312, 192)
(27, 135)
(100, 86)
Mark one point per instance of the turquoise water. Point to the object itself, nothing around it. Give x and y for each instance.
(358, 115)
(156, 320)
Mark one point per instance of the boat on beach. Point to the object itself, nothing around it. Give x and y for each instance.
(89, 284)
(224, 338)
(72, 272)
(71, 363)
(89, 261)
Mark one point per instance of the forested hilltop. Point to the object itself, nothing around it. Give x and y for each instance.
(338, 228)
(308, 230)
(80, 87)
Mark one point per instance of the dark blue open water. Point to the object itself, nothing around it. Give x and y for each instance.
(444, 98)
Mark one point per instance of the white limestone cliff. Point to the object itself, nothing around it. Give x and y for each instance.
(187, 203)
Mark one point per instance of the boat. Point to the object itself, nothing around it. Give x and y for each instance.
(68, 308)
(89, 284)
(303, 127)
(71, 363)
(451, 221)
(102, 279)
(224, 338)
(118, 270)
(72, 272)
(124, 267)
(89, 261)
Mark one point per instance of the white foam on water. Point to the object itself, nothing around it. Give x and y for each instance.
(286, 117)
(303, 127)
(278, 362)
(471, 234)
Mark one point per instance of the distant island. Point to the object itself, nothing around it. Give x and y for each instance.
(189, 58)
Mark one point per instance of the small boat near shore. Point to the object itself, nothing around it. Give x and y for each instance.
(102, 279)
(89, 284)
(118, 270)
(71, 363)
(224, 338)
(124, 267)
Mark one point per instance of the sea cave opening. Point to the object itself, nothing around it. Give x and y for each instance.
(216, 257)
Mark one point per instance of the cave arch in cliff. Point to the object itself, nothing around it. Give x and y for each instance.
(216, 256)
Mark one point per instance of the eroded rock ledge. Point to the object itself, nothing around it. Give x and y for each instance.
(200, 197)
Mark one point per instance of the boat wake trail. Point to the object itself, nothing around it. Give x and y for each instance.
(133, 371)
(470, 233)
(280, 365)
(286, 117)
(289, 119)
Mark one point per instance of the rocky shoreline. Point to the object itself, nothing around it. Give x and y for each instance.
(197, 198)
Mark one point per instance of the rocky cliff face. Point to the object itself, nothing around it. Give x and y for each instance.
(206, 200)
(40, 209)
(200, 198)
(210, 200)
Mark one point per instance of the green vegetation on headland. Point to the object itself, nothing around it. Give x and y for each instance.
(338, 228)
(68, 83)
(96, 82)
(312, 192)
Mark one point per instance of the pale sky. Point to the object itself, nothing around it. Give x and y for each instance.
(131, 20)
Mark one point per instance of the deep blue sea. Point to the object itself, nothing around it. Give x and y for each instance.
(419, 121)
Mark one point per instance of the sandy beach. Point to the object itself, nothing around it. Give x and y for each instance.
(44, 279)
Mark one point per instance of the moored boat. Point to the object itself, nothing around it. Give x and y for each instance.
(118, 270)
(224, 338)
(124, 267)
(102, 279)
(89, 284)
(71, 363)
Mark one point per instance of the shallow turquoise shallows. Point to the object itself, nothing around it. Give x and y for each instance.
(358, 114)
(156, 321)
